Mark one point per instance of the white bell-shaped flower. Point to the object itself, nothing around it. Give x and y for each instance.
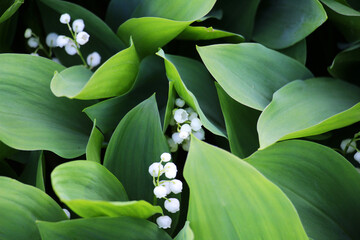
(70, 48)
(200, 134)
(67, 213)
(78, 25)
(184, 134)
(176, 186)
(185, 128)
(166, 184)
(196, 124)
(65, 18)
(180, 115)
(357, 157)
(186, 145)
(172, 205)
(345, 142)
(176, 137)
(33, 42)
(164, 222)
(93, 59)
(193, 115)
(170, 170)
(28, 33)
(160, 191)
(172, 145)
(179, 102)
(82, 38)
(189, 110)
(155, 169)
(165, 157)
(62, 40)
(51, 39)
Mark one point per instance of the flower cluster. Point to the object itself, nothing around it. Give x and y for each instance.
(71, 44)
(349, 146)
(185, 122)
(165, 187)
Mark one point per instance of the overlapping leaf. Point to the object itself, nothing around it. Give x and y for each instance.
(249, 207)
(307, 108)
(319, 182)
(250, 73)
(32, 118)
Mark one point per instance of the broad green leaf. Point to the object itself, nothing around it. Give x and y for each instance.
(346, 64)
(33, 173)
(297, 51)
(321, 184)
(346, 19)
(249, 207)
(20, 206)
(102, 39)
(170, 105)
(238, 16)
(11, 10)
(137, 142)
(195, 85)
(249, 72)
(150, 79)
(307, 108)
(186, 233)
(93, 148)
(90, 190)
(203, 33)
(35, 119)
(105, 228)
(177, 10)
(150, 33)
(282, 23)
(113, 78)
(240, 123)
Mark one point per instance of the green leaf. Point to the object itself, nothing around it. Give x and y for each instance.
(208, 33)
(151, 78)
(102, 39)
(33, 173)
(319, 182)
(240, 123)
(307, 108)
(186, 233)
(20, 206)
(346, 64)
(150, 33)
(113, 78)
(11, 10)
(105, 228)
(297, 51)
(137, 142)
(170, 105)
(90, 190)
(200, 94)
(250, 73)
(176, 10)
(249, 207)
(35, 119)
(93, 148)
(282, 23)
(346, 19)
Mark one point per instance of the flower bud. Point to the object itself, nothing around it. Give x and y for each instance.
(51, 39)
(93, 59)
(176, 186)
(160, 191)
(180, 115)
(65, 18)
(28, 33)
(196, 124)
(176, 137)
(193, 115)
(33, 42)
(200, 134)
(164, 222)
(78, 25)
(82, 38)
(62, 40)
(172, 205)
(179, 102)
(70, 48)
(345, 142)
(165, 157)
(155, 168)
(357, 157)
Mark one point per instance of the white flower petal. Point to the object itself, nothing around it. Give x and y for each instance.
(51, 40)
(33, 42)
(78, 25)
(345, 142)
(176, 186)
(93, 59)
(65, 18)
(160, 191)
(62, 40)
(357, 157)
(180, 115)
(155, 168)
(28, 33)
(176, 137)
(196, 124)
(164, 222)
(172, 205)
(179, 102)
